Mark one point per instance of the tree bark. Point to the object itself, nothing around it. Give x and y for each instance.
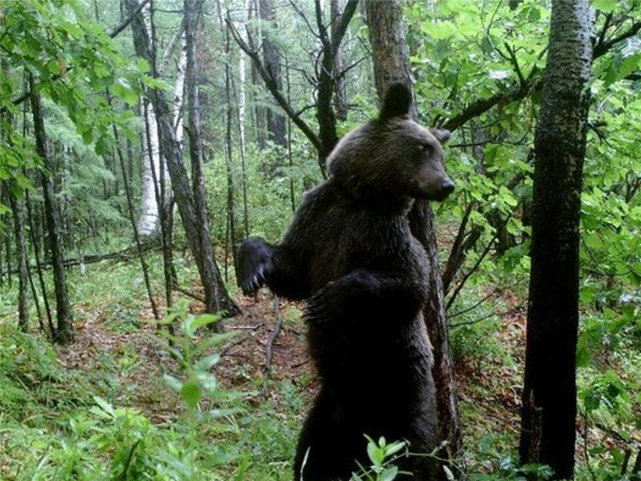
(215, 292)
(199, 242)
(23, 268)
(64, 326)
(36, 253)
(548, 426)
(271, 59)
(340, 103)
(391, 64)
(148, 222)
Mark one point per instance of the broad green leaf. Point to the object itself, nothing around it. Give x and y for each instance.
(605, 6)
(191, 393)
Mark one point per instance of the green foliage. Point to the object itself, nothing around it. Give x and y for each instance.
(62, 423)
(96, 440)
(382, 457)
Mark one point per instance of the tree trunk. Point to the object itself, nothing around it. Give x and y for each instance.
(64, 327)
(257, 100)
(200, 244)
(23, 268)
(340, 104)
(36, 253)
(231, 191)
(132, 218)
(148, 221)
(548, 426)
(271, 59)
(391, 64)
(215, 292)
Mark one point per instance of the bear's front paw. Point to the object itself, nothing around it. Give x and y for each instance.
(338, 298)
(254, 261)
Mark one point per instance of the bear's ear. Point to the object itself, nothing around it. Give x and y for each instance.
(397, 102)
(442, 135)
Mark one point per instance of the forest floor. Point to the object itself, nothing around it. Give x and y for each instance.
(120, 355)
(489, 385)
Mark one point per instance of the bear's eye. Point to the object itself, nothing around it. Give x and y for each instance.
(425, 148)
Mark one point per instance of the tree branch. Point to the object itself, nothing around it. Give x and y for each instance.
(603, 47)
(532, 83)
(24, 96)
(273, 87)
(341, 28)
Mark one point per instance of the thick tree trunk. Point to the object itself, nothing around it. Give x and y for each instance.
(548, 429)
(64, 327)
(391, 64)
(271, 59)
(197, 234)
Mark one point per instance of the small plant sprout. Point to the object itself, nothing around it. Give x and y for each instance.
(382, 457)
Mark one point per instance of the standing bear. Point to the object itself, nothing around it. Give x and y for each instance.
(350, 252)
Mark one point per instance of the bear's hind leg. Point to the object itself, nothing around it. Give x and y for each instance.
(327, 446)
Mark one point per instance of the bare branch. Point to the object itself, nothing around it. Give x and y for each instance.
(345, 18)
(252, 53)
(302, 15)
(603, 47)
(126, 23)
(171, 47)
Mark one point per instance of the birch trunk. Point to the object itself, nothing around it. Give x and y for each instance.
(149, 221)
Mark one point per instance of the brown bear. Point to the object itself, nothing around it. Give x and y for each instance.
(349, 250)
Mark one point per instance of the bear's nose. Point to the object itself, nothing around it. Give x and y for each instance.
(447, 186)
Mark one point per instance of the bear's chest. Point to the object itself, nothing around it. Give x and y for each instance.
(357, 239)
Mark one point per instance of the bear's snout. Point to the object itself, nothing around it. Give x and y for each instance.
(447, 187)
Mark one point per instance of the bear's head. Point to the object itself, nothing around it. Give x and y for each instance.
(392, 158)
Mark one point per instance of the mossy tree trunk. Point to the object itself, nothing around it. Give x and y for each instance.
(549, 396)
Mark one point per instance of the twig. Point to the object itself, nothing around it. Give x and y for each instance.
(248, 328)
(586, 454)
(471, 323)
(467, 275)
(477, 304)
(188, 293)
(226, 350)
